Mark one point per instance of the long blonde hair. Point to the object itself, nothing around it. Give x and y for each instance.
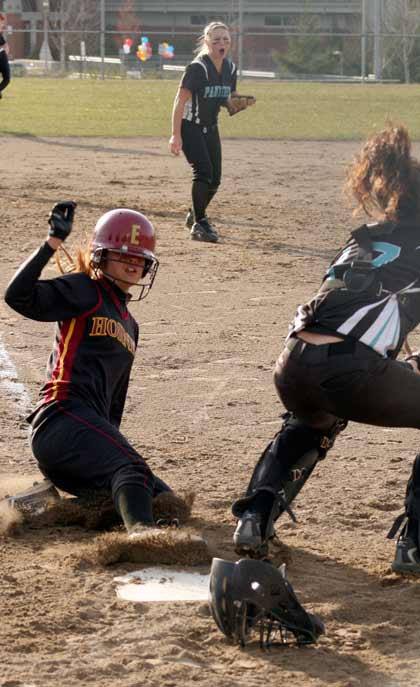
(201, 48)
(81, 263)
(384, 179)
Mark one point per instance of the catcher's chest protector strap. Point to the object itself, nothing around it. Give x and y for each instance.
(362, 274)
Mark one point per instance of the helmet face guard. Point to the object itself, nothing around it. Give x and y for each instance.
(123, 234)
(253, 595)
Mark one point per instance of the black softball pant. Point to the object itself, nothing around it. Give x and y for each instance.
(346, 380)
(4, 70)
(203, 150)
(79, 451)
(350, 381)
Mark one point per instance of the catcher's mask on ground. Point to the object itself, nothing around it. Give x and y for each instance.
(123, 236)
(255, 595)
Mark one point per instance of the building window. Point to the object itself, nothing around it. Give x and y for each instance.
(198, 19)
(29, 6)
(282, 20)
(204, 19)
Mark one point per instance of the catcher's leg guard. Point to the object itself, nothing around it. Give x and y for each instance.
(284, 467)
(407, 554)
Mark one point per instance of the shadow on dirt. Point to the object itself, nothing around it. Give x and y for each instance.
(69, 143)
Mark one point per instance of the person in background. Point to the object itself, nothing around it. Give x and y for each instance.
(4, 59)
(208, 83)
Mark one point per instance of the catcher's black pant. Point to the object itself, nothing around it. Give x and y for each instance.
(203, 150)
(347, 380)
(4, 70)
(78, 450)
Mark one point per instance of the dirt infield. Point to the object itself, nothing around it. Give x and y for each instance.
(201, 407)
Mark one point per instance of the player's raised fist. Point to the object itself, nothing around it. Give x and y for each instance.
(61, 219)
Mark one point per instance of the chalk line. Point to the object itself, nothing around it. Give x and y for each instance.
(9, 383)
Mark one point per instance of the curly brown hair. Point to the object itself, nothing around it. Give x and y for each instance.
(384, 178)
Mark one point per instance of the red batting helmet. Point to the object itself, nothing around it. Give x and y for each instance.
(126, 233)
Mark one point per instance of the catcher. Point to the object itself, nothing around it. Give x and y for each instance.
(208, 83)
(339, 362)
(74, 430)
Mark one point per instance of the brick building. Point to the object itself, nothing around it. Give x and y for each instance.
(265, 23)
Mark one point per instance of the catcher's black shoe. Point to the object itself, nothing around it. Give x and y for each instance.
(203, 231)
(248, 538)
(189, 220)
(407, 556)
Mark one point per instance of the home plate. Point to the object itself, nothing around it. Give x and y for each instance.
(163, 584)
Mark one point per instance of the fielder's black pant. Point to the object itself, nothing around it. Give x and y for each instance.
(202, 148)
(4, 70)
(79, 451)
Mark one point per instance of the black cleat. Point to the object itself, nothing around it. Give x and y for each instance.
(203, 231)
(248, 539)
(407, 556)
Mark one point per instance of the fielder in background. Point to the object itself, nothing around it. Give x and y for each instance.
(4, 59)
(74, 433)
(208, 83)
(339, 362)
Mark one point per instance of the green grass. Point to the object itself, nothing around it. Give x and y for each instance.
(122, 108)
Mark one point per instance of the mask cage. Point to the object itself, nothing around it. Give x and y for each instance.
(100, 255)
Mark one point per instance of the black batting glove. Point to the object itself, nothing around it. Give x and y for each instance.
(61, 220)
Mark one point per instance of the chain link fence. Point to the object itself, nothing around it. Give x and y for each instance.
(281, 55)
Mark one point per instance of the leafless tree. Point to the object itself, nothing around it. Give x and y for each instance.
(73, 21)
(401, 21)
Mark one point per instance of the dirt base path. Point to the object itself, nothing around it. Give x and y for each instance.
(201, 408)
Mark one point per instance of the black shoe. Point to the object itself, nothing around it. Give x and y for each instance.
(189, 220)
(407, 556)
(203, 231)
(247, 537)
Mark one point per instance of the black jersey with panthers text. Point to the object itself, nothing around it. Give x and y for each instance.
(375, 300)
(95, 337)
(210, 89)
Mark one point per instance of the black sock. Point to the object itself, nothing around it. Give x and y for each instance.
(210, 195)
(199, 199)
(413, 530)
(134, 504)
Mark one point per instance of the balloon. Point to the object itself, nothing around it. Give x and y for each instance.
(129, 42)
(166, 50)
(144, 49)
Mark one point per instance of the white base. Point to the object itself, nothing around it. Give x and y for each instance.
(163, 584)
